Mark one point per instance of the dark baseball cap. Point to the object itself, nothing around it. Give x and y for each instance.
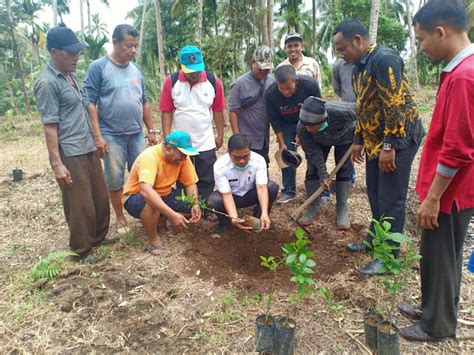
(63, 38)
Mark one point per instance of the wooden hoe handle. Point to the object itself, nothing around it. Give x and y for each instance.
(321, 188)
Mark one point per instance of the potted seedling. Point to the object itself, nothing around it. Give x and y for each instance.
(396, 272)
(298, 259)
(190, 200)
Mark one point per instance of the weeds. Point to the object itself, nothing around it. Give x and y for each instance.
(131, 239)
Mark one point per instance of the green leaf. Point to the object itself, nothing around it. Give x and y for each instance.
(302, 258)
(307, 270)
(290, 259)
(309, 281)
(399, 237)
(310, 263)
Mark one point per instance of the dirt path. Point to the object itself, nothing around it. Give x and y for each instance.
(202, 297)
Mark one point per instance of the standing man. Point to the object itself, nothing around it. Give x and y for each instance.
(446, 172)
(283, 101)
(118, 107)
(342, 80)
(149, 193)
(247, 110)
(242, 181)
(74, 158)
(294, 47)
(190, 100)
(388, 130)
(323, 125)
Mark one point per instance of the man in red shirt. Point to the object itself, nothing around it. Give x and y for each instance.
(190, 100)
(446, 171)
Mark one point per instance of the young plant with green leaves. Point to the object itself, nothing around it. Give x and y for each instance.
(50, 267)
(397, 271)
(191, 200)
(271, 263)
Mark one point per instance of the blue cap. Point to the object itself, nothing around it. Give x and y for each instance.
(191, 59)
(181, 141)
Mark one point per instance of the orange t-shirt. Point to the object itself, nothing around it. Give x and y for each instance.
(151, 167)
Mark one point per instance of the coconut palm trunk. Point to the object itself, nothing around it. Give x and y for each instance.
(159, 38)
(374, 19)
(263, 22)
(413, 68)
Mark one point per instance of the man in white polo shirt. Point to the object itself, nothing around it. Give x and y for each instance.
(191, 99)
(241, 181)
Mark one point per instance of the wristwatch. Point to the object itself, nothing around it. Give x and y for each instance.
(387, 146)
(151, 130)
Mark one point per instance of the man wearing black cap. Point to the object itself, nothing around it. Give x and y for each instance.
(74, 159)
(321, 126)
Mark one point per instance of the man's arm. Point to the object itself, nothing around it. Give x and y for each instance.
(192, 190)
(166, 120)
(234, 122)
(219, 121)
(231, 209)
(100, 142)
(166, 107)
(427, 214)
(148, 121)
(263, 200)
(61, 173)
(313, 152)
(336, 80)
(156, 202)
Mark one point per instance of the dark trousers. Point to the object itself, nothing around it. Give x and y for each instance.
(344, 174)
(85, 202)
(204, 163)
(248, 200)
(441, 272)
(288, 175)
(388, 191)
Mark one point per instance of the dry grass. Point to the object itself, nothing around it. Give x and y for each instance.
(132, 301)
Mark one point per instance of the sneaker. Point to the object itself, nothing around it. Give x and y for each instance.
(325, 196)
(285, 198)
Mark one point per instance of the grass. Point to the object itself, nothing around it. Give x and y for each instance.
(131, 238)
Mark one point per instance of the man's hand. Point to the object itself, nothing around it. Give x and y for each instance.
(195, 214)
(357, 155)
(297, 142)
(427, 214)
(326, 183)
(101, 146)
(179, 221)
(265, 221)
(219, 142)
(238, 222)
(387, 161)
(62, 175)
(152, 140)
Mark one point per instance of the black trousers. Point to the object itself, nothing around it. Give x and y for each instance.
(344, 174)
(388, 191)
(441, 272)
(248, 200)
(204, 165)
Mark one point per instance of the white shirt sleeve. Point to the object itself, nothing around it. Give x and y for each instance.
(221, 181)
(261, 175)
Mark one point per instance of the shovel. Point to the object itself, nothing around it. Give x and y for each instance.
(295, 215)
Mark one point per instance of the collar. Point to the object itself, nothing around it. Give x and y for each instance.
(368, 52)
(182, 77)
(459, 58)
(55, 71)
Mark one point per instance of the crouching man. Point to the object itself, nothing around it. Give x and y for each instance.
(241, 181)
(148, 192)
(323, 125)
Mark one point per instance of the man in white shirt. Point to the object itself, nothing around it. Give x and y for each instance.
(242, 181)
(294, 47)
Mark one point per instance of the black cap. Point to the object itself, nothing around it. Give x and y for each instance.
(293, 37)
(63, 38)
(313, 111)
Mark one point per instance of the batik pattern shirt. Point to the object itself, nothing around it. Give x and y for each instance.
(386, 111)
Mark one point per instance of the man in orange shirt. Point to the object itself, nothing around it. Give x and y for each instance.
(148, 191)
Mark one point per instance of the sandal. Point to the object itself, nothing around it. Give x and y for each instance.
(156, 249)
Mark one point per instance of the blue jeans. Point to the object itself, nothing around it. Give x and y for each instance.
(123, 150)
(288, 175)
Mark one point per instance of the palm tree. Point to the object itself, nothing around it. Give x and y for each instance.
(413, 70)
(263, 22)
(374, 19)
(159, 38)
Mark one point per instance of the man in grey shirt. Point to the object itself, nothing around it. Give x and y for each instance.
(342, 80)
(247, 111)
(74, 159)
(118, 109)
